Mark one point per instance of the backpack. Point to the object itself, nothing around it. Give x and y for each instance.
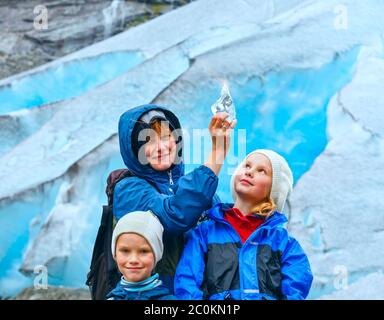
(104, 274)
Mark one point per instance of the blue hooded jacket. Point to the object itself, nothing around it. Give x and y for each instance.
(178, 200)
(216, 264)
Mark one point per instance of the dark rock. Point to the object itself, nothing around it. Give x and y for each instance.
(53, 293)
(72, 25)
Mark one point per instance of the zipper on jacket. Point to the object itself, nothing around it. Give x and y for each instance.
(170, 177)
(241, 249)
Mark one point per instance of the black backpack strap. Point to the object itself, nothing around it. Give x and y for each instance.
(106, 222)
(97, 250)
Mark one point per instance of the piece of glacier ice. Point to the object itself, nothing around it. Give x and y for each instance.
(225, 103)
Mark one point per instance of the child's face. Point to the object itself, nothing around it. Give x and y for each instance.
(254, 179)
(134, 257)
(160, 150)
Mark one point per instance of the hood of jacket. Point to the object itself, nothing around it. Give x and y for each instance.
(126, 126)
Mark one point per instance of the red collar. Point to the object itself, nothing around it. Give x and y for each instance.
(244, 225)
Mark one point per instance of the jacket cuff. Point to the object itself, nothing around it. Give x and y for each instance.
(208, 171)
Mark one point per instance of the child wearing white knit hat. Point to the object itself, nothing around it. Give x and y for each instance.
(137, 246)
(243, 251)
(278, 170)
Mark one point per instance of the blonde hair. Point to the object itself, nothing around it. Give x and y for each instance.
(264, 209)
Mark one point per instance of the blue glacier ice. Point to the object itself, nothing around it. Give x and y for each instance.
(298, 129)
(65, 81)
(300, 86)
(19, 223)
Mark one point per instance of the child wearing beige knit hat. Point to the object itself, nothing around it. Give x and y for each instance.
(137, 246)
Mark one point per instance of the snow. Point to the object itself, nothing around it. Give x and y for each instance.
(315, 93)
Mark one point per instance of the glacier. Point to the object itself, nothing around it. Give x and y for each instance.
(304, 84)
(73, 78)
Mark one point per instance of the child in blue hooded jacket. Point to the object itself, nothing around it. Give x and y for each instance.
(151, 146)
(243, 251)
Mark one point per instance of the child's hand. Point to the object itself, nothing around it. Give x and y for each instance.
(220, 130)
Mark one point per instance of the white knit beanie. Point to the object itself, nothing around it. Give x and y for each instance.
(145, 224)
(282, 178)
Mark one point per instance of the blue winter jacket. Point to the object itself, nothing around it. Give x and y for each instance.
(178, 200)
(159, 293)
(216, 264)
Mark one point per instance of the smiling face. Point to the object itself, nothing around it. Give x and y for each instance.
(253, 181)
(134, 257)
(160, 150)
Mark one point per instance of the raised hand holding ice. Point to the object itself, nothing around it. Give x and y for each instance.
(220, 131)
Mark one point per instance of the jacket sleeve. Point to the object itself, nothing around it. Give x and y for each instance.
(190, 270)
(296, 271)
(179, 212)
